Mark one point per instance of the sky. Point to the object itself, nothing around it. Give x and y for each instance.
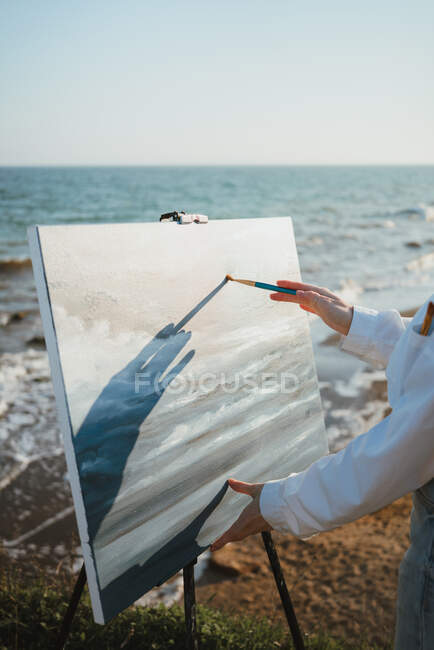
(156, 82)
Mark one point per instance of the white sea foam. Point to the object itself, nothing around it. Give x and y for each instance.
(421, 263)
(345, 423)
(28, 424)
(311, 241)
(38, 529)
(349, 290)
(428, 211)
(170, 592)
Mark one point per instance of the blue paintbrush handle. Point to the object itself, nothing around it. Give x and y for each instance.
(272, 287)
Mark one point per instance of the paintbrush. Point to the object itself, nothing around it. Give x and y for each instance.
(424, 330)
(263, 285)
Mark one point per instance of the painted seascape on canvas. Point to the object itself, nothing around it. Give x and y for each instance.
(174, 381)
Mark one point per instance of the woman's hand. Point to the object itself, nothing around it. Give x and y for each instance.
(250, 520)
(335, 313)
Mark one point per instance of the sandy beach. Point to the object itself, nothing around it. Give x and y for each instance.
(342, 582)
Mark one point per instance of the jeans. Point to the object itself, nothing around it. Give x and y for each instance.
(415, 608)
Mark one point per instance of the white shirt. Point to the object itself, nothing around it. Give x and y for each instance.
(393, 458)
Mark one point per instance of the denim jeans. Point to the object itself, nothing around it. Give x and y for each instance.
(415, 608)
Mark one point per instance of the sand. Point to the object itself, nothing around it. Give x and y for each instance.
(343, 582)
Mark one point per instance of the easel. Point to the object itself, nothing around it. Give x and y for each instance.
(191, 637)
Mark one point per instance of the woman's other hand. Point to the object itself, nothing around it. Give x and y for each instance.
(250, 520)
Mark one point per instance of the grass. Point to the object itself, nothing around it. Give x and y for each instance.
(32, 609)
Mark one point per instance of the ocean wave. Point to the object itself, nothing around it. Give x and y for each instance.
(421, 211)
(28, 422)
(315, 240)
(386, 219)
(428, 212)
(38, 529)
(409, 213)
(385, 223)
(421, 263)
(356, 405)
(349, 290)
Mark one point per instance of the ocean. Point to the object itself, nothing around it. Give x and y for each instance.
(356, 227)
(365, 232)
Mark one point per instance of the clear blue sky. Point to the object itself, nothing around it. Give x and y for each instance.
(223, 82)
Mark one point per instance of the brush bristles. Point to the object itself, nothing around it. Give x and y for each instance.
(250, 283)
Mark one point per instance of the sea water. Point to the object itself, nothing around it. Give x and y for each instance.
(365, 232)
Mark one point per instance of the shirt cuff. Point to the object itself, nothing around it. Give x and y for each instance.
(361, 333)
(274, 508)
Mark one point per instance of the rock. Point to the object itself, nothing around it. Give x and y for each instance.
(36, 341)
(17, 316)
(413, 244)
(409, 313)
(233, 563)
(231, 569)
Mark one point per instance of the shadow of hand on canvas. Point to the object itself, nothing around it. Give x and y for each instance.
(111, 427)
(170, 558)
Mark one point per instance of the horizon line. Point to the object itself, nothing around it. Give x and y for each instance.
(196, 165)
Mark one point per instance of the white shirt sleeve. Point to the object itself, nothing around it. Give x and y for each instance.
(372, 335)
(393, 458)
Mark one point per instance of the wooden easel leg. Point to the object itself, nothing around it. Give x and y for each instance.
(190, 607)
(75, 598)
(283, 590)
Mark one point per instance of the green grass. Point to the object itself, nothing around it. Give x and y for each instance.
(31, 612)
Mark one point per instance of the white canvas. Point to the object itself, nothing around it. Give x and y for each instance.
(168, 381)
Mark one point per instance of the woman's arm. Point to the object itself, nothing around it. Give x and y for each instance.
(393, 458)
(373, 335)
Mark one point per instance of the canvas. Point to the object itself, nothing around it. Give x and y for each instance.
(168, 381)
